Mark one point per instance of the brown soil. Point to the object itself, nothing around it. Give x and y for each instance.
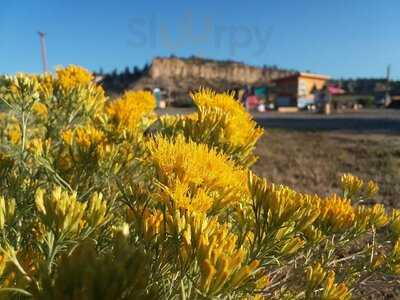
(314, 161)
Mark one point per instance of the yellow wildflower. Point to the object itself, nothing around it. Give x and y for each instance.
(315, 276)
(354, 188)
(394, 258)
(96, 213)
(351, 185)
(196, 166)
(21, 91)
(182, 198)
(313, 234)
(292, 246)
(372, 216)
(73, 77)
(207, 273)
(338, 214)
(86, 137)
(67, 137)
(244, 273)
(46, 82)
(281, 204)
(61, 212)
(7, 210)
(263, 282)
(40, 109)
(36, 146)
(395, 223)
(128, 112)
(221, 122)
(371, 188)
(151, 224)
(14, 134)
(332, 290)
(240, 128)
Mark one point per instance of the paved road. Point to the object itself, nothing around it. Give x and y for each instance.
(368, 120)
(387, 121)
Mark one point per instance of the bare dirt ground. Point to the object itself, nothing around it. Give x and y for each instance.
(310, 152)
(314, 161)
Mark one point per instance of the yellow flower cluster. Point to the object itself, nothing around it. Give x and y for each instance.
(61, 211)
(355, 188)
(97, 213)
(394, 259)
(86, 137)
(150, 224)
(179, 196)
(46, 89)
(371, 216)
(221, 123)
(73, 77)
(40, 109)
(196, 167)
(317, 278)
(14, 133)
(90, 146)
(337, 213)
(280, 213)
(240, 128)
(280, 204)
(215, 248)
(39, 146)
(204, 240)
(21, 91)
(283, 204)
(224, 271)
(7, 210)
(65, 215)
(222, 263)
(395, 223)
(128, 112)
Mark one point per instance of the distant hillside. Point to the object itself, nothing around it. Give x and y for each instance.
(180, 75)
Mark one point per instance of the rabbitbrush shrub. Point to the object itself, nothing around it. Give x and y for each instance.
(107, 200)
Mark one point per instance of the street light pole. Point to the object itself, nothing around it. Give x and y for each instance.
(43, 51)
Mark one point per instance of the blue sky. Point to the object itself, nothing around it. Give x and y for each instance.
(342, 38)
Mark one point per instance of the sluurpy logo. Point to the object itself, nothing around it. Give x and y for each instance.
(153, 32)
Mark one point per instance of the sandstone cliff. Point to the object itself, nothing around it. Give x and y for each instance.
(179, 75)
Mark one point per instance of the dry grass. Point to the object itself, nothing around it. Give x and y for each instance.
(313, 161)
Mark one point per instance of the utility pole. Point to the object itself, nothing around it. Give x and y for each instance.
(388, 75)
(387, 88)
(43, 51)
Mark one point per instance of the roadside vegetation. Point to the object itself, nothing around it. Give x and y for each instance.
(108, 200)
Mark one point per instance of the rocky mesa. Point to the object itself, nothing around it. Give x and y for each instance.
(180, 75)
